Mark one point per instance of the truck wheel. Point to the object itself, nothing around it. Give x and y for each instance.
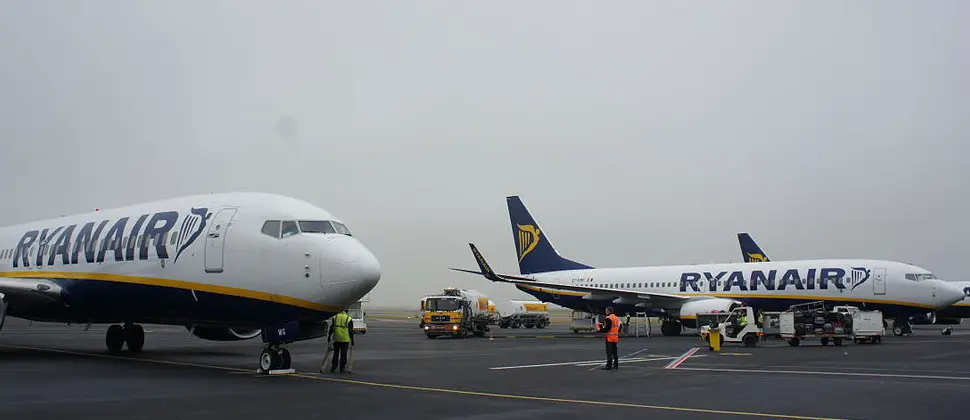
(793, 342)
(838, 341)
(877, 339)
(750, 340)
(825, 341)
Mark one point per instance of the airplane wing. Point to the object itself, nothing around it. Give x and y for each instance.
(21, 292)
(662, 300)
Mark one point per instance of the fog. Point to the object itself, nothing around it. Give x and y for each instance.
(637, 133)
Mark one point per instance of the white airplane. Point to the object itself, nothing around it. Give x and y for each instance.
(952, 314)
(678, 293)
(228, 267)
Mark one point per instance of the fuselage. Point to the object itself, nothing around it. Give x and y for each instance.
(892, 287)
(234, 259)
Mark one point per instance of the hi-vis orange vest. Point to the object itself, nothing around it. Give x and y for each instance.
(613, 335)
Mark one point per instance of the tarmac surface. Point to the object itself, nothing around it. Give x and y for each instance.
(57, 371)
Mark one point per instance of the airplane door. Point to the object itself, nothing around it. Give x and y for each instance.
(216, 239)
(879, 281)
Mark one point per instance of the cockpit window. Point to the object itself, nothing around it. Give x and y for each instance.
(341, 228)
(289, 229)
(316, 226)
(323, 226)
(920, 276)
(272, 228)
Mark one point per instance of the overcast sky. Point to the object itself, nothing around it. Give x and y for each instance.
(637, 133)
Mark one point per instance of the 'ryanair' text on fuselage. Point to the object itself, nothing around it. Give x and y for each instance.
(122, 242)
(807, 279)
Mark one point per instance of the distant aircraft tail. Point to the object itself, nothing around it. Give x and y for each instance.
(532, 246)
(750, 250)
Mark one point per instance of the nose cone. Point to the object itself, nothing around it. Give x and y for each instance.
(349, 270)
(367, 268)
(948, 294)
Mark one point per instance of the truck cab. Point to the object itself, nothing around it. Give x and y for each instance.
(442, 315)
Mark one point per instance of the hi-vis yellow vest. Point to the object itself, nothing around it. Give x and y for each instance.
(340, 332)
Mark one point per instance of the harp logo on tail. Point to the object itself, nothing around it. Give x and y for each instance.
(528, 239)
(753, 257)
(192, 227)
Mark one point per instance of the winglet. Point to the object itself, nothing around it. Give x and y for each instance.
(482, 264)
(483, 267)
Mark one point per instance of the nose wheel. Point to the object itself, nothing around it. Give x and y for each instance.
(131, 334)
(274, 357)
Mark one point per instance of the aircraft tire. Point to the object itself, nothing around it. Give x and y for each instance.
(135, 338)
(269, 360)
(284, 358)
(114, 339)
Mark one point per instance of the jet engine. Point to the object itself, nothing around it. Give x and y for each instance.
(688, 312)
(223, 334)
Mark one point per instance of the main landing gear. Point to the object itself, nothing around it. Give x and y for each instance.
(274, 357)
(671, 327)
(902, 327)
(131, 334)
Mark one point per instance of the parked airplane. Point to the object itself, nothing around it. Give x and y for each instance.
(952, 314)
(679, 293)
(228, 267)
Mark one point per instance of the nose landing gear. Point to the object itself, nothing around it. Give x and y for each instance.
(131, 334)
(274, 357)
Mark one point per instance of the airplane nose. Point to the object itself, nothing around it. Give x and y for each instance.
(949, 294)
(368, 269)
(349, 269)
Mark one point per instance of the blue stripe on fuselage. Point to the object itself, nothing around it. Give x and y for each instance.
(114, 302)
(955, 311)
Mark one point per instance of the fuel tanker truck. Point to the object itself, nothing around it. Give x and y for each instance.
(525, 314)
(456, 313)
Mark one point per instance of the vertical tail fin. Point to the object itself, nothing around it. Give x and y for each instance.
(532, 246)
(750, 250)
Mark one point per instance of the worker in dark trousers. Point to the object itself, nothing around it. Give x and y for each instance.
(342, 335)
(611, 326)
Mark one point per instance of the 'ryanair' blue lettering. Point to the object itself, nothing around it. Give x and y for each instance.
(68, 242)
(791, 279)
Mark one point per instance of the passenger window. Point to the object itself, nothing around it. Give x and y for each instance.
(911, 277)
(289, 229)
(272, 228)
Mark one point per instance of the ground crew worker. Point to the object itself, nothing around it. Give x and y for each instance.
(611, 327)
(342, 333)
(742, 322)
